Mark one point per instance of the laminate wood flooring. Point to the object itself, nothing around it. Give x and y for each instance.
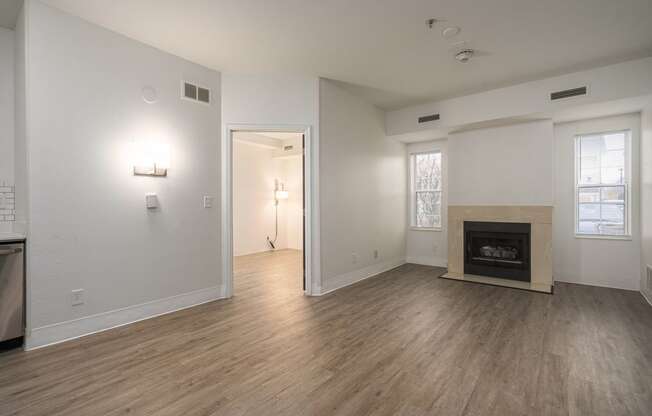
(402, 343)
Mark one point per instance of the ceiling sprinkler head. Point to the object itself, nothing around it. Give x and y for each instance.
(463, 56)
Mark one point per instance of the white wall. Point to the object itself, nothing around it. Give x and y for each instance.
(599, 262)
(533, 164)
(613, 82)
(89, 227)
(6, 106)
(292, 175)
(430, 247)
(268, 99)
(7, 115)
(20, 126)
(7, 133)
(254, 173)
(646, 198)
(509, 165)
(363, 189)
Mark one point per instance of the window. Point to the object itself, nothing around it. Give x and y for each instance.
(426, 190)
(602, 184)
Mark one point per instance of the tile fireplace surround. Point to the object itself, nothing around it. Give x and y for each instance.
(540, 218)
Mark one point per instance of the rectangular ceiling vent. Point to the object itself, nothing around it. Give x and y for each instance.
(426, 119)
(193, 92)
(287, 148)
(573, 92)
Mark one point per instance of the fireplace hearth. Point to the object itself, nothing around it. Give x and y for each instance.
(497, 249)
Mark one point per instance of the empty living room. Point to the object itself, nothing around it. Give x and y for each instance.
(316, 208)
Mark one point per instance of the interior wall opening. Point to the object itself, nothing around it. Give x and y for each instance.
(268, 213)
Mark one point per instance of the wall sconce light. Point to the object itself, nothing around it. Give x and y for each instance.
(280, 192)
(151, 159)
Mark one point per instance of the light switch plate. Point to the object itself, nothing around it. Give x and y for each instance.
(151, 201)
(208, 201)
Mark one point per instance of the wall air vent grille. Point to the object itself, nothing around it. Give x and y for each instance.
(189, 91)
(573, 92)
(426, 119)
(203, 95)
(193, 92)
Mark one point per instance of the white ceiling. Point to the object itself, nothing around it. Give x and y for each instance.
(9, 10)
(383, 47)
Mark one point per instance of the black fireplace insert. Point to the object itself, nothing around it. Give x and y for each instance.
(497, 249)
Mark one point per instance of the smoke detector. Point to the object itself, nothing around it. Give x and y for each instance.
(464, 55)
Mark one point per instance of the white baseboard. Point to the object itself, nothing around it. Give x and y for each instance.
(76, 328)
(647, 297)
(427, 261)
(347, 279)
(598, 284)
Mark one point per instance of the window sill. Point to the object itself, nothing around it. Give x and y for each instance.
(604, 237)
(426, 229)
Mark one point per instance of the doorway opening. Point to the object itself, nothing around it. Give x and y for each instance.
(268, 221)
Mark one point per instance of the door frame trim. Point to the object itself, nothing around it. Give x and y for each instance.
(311, 193)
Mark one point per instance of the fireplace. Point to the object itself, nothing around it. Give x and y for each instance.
(497, 249)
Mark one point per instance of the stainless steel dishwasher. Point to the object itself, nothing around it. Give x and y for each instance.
(12, 291)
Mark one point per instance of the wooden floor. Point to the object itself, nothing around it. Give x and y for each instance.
(402, 343)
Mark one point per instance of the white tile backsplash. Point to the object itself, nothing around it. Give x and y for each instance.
(7, 202)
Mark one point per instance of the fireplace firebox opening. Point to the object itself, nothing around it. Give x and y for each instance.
(497, 249)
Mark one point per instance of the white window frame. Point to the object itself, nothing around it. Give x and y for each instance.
(627, 187)
(413, 191)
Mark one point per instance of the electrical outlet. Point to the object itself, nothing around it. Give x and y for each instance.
(77, 297)
(208, 201)
(375, 253)
(354, 257)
